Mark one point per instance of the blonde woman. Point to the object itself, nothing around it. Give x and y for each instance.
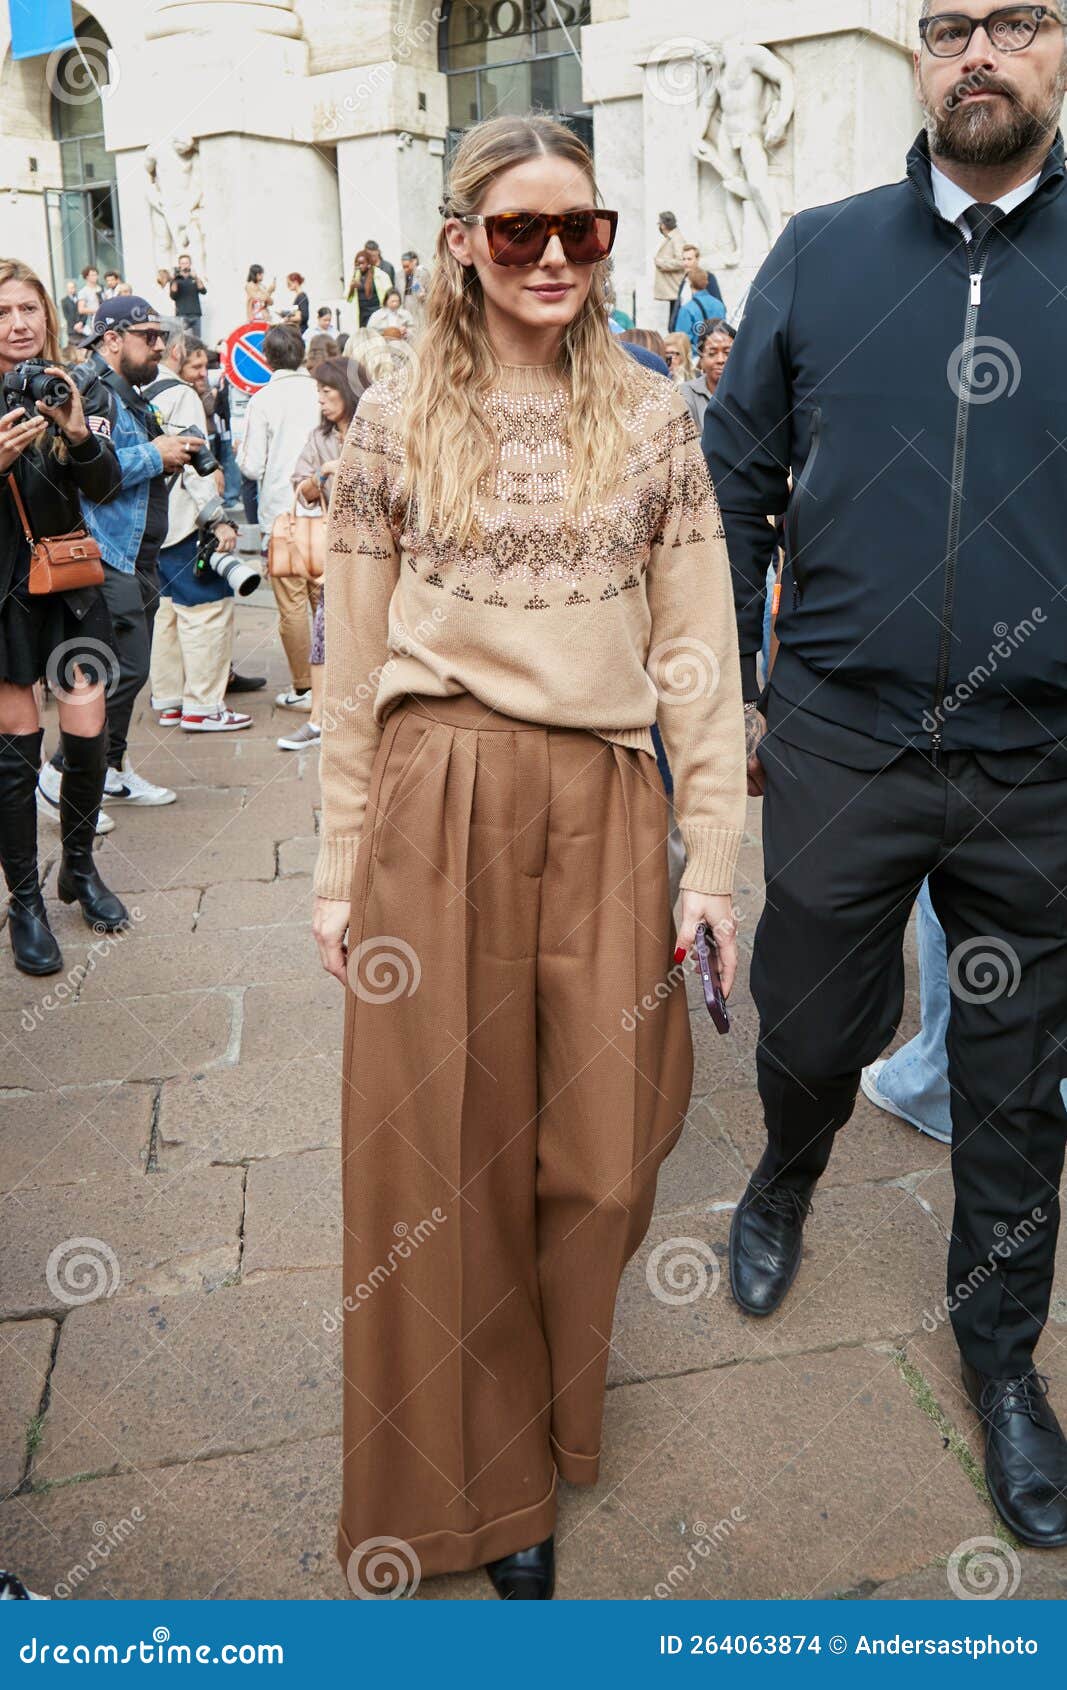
(679, 357)
(525, 567)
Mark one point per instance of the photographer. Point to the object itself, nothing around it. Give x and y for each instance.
(52, 453)
(192, 641)
(185, 290)
(128, 341)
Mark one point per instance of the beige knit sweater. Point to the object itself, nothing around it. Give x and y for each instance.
(624, 620)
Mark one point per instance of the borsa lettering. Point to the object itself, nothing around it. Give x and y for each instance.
(521, 17)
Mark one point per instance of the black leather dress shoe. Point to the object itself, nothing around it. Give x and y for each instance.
(527, 1576)
(245, 683)
(766, 1242)
(1025, 1455)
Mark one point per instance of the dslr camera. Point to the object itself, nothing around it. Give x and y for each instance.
(240, 577)
(203, 460)
(30, 381)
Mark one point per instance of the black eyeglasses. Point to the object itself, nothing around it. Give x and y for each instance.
(1009, 28)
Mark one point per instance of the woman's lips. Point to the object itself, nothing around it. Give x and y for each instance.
(552, 291)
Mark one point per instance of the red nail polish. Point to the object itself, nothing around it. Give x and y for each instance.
(679, 955)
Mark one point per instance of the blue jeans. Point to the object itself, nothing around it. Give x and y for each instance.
(227, 457)
(915, 1078)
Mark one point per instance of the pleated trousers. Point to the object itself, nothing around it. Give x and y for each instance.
(507, 1103)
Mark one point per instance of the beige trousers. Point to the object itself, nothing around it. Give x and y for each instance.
(297, 599)
(192, 647)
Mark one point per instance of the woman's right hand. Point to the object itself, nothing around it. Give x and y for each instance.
(329, 924)
(17, 431)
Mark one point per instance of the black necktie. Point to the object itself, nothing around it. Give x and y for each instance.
(979, 218)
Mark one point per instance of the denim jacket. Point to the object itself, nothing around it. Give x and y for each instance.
(118, 526)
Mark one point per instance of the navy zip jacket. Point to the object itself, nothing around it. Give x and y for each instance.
(915, 389)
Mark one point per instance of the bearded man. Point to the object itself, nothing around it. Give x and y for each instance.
(896, 390)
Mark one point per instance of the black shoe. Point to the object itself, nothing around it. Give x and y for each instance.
(32, 940)
(1025, 1455)
(245, 683)
(80, 791)
(766, 1242)
(527, 1576)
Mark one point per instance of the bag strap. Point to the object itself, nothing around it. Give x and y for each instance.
(21, 508)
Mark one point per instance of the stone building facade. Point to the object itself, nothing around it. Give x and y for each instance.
(286, 132)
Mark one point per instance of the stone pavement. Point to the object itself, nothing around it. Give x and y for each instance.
(169, 1392)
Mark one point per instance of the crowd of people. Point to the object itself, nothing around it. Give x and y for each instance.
(697, 485)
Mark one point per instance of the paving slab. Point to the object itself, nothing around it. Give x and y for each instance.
(292, 1213)
(281, 1022)
(259, 1109)
(63, 1245)
(872, 1263)
(704, 1168)
(298, 856)
(150, 912)
(67, 1138)
(800, 1479)
(25, 1357)
(178, 1033)
(996, 1573)
(202, 961)
(143, 1381)
(251, 1527)
(257, 903)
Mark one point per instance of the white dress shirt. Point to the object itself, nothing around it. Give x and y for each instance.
(277, 423)
(952, 201)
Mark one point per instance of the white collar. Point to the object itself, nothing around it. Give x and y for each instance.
(952, 200)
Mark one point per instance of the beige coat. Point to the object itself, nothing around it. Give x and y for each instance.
(670, 267)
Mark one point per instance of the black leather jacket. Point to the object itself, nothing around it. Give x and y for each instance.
(50, 488)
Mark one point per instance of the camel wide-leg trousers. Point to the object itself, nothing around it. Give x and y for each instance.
(505, 1115)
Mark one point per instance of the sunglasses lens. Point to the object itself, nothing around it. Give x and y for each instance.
(518, 239)
(586, 237)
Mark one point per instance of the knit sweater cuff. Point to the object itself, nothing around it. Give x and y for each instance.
(710, 859)
(335, 868)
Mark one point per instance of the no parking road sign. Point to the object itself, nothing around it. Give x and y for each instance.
(243, 359)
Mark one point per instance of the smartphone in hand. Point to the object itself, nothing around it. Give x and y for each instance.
(707, 957)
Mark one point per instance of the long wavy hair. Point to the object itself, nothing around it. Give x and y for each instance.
(449, 443)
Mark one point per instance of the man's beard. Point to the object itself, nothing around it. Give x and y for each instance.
(973, 132)
(137, 368)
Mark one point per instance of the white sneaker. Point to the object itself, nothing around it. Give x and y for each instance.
(869, 1086)
(48, 800)
(219, 721)
(294, 700)
(306, 734)
(122, 786)
(12, 1589)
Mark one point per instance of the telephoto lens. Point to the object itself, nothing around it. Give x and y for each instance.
(241, 578)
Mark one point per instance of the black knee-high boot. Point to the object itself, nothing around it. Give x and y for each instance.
(80, 791)
(32, 940)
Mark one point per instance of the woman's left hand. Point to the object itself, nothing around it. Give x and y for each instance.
(69, 417)
(718, 912)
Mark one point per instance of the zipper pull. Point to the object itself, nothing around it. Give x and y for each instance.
(935, 748)
(976, 290)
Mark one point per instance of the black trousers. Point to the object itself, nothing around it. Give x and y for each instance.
(846, 849)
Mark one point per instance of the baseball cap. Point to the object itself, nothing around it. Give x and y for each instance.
(125, 311)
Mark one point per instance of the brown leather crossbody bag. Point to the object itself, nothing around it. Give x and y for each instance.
(61, 562)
